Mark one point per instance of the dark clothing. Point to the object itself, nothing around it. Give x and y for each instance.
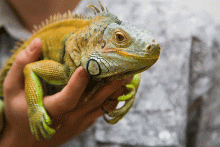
(7, 43)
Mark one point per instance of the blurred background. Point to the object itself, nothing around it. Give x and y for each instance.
(178, 100)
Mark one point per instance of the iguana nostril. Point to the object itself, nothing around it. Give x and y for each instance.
(149, 47)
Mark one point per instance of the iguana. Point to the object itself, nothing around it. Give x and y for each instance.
(107, 48)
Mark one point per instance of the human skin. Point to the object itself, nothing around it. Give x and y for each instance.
(67, 108)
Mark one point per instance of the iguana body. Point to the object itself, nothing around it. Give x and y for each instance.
(107, 48)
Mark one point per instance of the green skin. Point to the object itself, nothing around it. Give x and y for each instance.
(107, 48)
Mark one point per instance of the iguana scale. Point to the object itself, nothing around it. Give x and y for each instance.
(107, 48)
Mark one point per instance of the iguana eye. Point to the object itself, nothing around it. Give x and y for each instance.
(119, 36)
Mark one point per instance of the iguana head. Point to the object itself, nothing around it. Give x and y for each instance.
(123, 50)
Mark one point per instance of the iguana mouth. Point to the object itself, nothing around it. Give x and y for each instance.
(149, 51)
(128, 73)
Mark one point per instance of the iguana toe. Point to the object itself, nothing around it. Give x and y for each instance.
(39, 123)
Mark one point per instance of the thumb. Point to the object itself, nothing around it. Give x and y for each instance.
(14, 80)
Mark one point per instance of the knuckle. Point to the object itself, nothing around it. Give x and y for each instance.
(22, 57)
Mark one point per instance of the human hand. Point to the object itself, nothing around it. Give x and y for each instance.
(66, 108)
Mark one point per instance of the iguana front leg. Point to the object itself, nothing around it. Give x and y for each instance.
(129, 98)
(53, 73)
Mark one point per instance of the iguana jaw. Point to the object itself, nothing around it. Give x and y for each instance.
(127, 74)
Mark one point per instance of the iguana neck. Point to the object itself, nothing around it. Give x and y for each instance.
(84, 42)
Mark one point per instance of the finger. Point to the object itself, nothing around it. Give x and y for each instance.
(103, 94)
(108, 105)
(98, 98)
(69, 129)
(15, 79)
(67, 99)
(111, 103)
(71, 120)
(87, 120)
(122, 90)
(95, 112)
(91, 115)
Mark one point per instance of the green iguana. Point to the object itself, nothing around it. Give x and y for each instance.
(107, 48)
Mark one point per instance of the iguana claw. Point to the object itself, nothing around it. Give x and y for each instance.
(129, 98)
(39, 123)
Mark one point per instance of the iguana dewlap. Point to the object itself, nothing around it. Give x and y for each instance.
(105, 46)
